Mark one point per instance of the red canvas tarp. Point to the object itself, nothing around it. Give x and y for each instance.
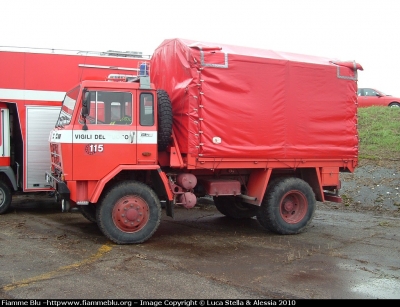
(238, 102)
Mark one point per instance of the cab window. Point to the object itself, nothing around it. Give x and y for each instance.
(68, 107)
(146, 117)
(110, 108)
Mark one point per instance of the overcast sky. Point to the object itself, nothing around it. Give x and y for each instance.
(367, 31)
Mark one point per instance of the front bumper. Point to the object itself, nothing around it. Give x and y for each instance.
(59, 186)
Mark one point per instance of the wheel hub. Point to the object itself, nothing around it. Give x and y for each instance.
(130, 213)
(293, 207)
(288, 206)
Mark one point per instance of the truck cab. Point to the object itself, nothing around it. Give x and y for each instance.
(100, 122)
(104, 155)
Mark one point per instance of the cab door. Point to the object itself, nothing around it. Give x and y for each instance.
(111, 135)
(146, 128)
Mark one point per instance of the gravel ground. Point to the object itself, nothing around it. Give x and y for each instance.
(349, 251)
(374, 186)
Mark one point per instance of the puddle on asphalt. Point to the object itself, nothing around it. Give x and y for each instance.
(380, 288)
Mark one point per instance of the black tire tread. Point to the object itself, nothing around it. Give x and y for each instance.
(269, 215)
(6, 204)
(234, 207)
(164, 120)
(89, 212)
(106, 203)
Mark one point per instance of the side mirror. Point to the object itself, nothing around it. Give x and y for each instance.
(85, 103)
(85, 109)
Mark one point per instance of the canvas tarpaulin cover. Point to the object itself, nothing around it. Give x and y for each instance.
(239, 102)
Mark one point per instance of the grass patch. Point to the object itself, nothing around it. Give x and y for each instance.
(379, 132)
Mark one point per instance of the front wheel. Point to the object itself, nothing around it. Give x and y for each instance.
(394, 105)
(234, 207)
(287, 207)
(129, 213)
(5, 197)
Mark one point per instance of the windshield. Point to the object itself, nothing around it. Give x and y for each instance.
(68, 107)
(109, 108)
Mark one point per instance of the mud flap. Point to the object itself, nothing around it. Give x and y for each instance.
(169, 208)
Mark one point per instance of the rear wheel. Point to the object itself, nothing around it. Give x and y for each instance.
(234, 207)
(5, 197)
(288, 206)
(89, 212)
(128, 213)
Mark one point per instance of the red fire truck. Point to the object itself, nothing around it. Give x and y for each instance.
(265, 133)
(33, 83)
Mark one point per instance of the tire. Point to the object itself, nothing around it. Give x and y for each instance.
(129, 213)
(287, 207)
(5, 197)
(164, 120)
(394, 105)
(234, 207)
(89, 212)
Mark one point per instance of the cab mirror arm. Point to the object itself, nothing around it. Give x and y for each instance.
(85, 110)
(84, 127)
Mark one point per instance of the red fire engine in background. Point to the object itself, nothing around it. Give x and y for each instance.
(33, 83)
(265, 133)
